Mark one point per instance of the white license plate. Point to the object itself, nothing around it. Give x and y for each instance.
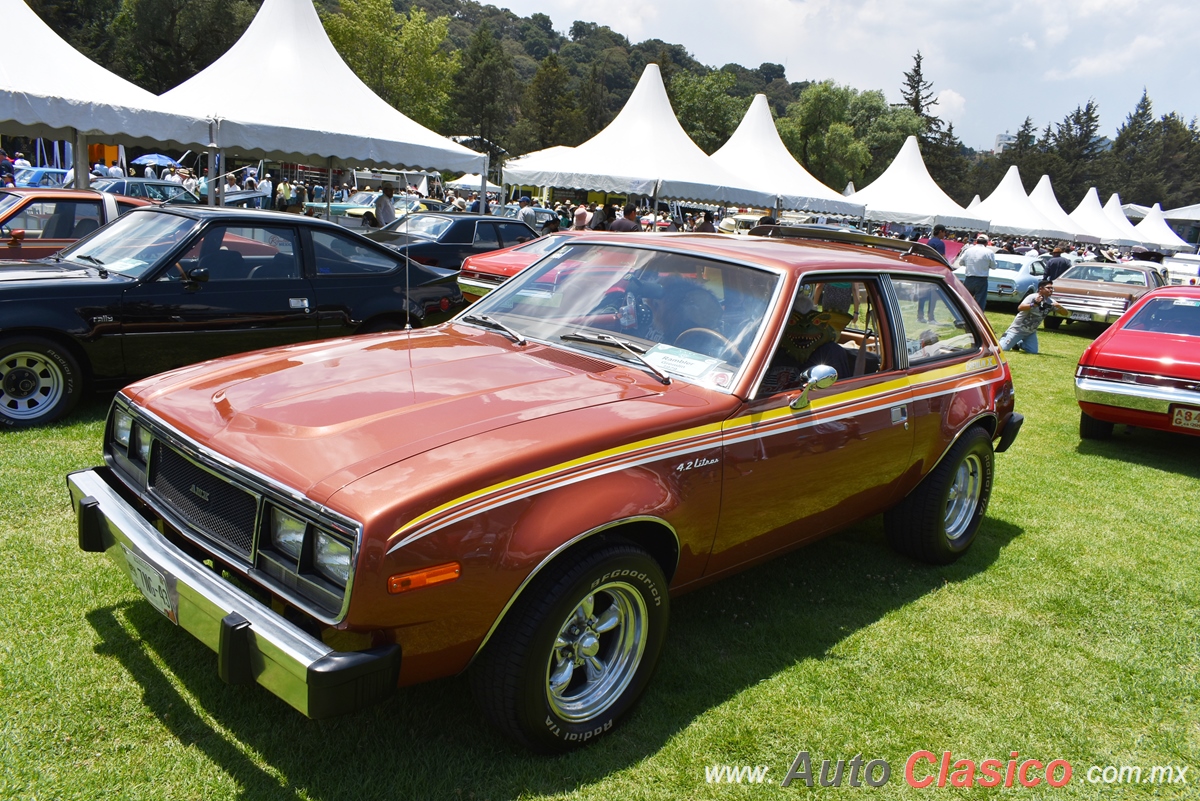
(1084, 316)
(153, 585)
(1185, 417)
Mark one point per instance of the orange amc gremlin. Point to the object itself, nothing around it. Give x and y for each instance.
(519, 492)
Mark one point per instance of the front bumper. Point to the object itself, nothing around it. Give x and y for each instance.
(253, 643)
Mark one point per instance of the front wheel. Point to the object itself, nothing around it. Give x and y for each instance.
(39, 381)
(938, 521)
(577, 649)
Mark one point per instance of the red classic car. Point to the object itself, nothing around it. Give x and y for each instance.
(1145, 369)
(39, 222)
(521, 491)
(482, 273)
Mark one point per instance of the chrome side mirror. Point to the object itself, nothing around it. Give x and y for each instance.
(820, 376)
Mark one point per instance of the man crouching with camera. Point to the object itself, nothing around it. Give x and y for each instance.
(1022, 334)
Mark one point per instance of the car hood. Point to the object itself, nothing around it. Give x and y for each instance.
(1150, 353)
(321, 415)
(1098, 288)
(26, 271)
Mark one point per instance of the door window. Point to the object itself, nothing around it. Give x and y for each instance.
(512, 233)
(485, 236)
(341, 255)
(242, 253)
(835, 323)
(935, 325)
(57, 219)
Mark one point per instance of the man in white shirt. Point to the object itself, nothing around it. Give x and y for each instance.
(979, 261)
(149, 172)
(268, 189)
(115, 170)
(173, 176)
(189, 183)
(385, 208)
(20, 161)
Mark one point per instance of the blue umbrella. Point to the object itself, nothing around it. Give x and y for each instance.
(157, 159)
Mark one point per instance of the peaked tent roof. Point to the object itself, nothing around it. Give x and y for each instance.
(1012, 213)
(1091, 216)
(48, 88)
(472, 181)
(643, 151)
(1184, 213)
(283, 92)
(1112, 210)
(1153, 229)
(1043, 199)
(849, 190)
(756, 152)
(905, 193)
(975, 201)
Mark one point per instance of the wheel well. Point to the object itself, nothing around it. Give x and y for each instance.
(988, 424)
(58, 338)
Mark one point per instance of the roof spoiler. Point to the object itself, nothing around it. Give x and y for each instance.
(852, 237)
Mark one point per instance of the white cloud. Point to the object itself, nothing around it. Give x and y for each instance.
(951, 106)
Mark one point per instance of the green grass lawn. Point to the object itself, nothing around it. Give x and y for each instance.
(1070, 631)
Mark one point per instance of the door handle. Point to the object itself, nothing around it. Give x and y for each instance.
(900, 415)
(299, 303)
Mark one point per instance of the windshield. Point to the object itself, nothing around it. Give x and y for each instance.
(362, 198)
(423, 225)
(1180, 316)
(1115, 273)
(133, 243)
(7, 201)
(1012, 265)
(692, 318)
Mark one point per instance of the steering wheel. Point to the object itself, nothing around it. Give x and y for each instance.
(726, 348)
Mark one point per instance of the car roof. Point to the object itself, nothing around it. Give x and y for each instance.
(51, 191)
(203, 212)
(817, 249)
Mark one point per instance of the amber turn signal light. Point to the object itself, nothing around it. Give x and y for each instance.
(403, 582)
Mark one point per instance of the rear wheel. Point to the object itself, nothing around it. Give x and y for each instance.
(938, 521)
(577, 649)
(1091, 428)
(39, 381)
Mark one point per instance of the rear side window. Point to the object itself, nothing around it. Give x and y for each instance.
(512, 233)
(485, 236)
(935, 326)
(341, 255)
(61, 219)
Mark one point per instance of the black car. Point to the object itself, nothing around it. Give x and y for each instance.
(166, 286)
(152, 189)
(441, 239)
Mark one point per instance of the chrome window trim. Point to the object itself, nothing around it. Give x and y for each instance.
(266, 490)
(560, 549)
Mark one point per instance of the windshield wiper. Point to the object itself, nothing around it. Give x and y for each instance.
(631, 348)
(99, 264)
(490, 322)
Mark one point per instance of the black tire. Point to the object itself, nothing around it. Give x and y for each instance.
(1091, 428)
(1052, 323)
(513, 678)
(938, 520)
(40, 381)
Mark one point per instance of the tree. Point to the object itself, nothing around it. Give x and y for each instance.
(159, 44)
(548, 110)
(486, 92)
(1136, 155)
(402, 57)
(918, 95)
(1078, 145)
(705, 109)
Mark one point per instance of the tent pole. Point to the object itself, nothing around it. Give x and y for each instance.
(208, 180)
(221, 184)
(329, 189)
(654, 210)
(483, 186)
(81, 159)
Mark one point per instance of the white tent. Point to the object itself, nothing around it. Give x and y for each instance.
(1134, 211)
(1011, 212)
(1043, 199)
(643, 151)
(1091, 216)
(905, 193)
(1153, 230)
(472, 182)
(1184, 213)
(756, 152)
(283, 92)
(1112, 210)
(975, 201)
(849, 190)
(50, 89)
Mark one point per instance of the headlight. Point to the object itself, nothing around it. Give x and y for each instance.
(122, 424)
(287, 532)
(141, 444)
(332, 558)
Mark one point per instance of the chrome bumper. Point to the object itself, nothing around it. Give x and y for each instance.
(1138, 397)
(478, 289)
(253, 643)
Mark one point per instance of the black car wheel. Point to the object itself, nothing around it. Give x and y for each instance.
(39, 381)
(1091, 428)
(938, 521)
(576, 651)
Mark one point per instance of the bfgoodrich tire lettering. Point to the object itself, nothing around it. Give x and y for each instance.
(577, 649)
(39, 381)
(938, 521)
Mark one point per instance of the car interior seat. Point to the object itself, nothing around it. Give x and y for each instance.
(85, 227)
(281, 265)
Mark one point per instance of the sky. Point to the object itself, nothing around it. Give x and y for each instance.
(992, 62)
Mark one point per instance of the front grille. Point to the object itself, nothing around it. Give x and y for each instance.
(210, 504)
(1091, 303)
